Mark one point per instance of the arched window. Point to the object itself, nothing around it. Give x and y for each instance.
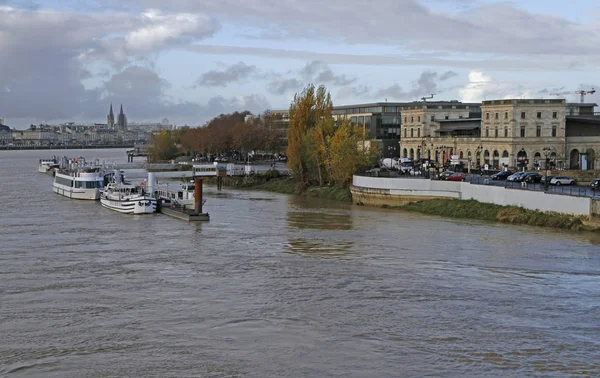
(405, 153)
(496, 160)
(574, 159)
(522, 159)
(486, 157)
(412, 154)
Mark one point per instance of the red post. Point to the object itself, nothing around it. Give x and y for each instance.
(198, 195)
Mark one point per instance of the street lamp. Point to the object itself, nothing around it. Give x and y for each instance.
(478, 156)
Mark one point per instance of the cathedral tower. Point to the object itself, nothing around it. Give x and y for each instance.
(122, 121)
(110, 119)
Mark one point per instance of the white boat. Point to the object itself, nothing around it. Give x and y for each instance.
(127, 199)
(82, 183)
(180, 193)
(48, 164)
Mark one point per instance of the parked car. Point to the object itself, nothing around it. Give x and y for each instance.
(515, 177)
(533, 178)
(444, 175)
(562, 180)
(502, 175)
(595, 184)
(457, 176)
(546, 179)
(487, 172)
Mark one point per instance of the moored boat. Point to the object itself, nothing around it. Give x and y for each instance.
(126, 198)
(83, 183)
(47, 165)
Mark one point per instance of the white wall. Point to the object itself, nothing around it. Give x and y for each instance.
(499, 195)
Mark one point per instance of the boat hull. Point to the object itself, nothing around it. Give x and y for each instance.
(76, 193)
(141, 205)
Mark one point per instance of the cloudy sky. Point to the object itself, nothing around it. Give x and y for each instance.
(189, 60)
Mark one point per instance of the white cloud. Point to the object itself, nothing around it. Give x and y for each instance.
(157, 29)
(476, 89)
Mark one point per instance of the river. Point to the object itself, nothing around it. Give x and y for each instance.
(284, 286)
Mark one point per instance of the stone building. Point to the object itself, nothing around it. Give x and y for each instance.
(518, 134)
(382, 121)
(6, 136)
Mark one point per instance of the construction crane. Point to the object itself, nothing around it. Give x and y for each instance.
(427, 98)
(581, 94)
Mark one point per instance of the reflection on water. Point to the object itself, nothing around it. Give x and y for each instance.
(318, 214)
(319, 220)
(320, 248)
(592, 237)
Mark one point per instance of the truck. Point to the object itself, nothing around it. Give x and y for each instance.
(390, 163)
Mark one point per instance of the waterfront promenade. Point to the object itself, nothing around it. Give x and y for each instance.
(68, 147)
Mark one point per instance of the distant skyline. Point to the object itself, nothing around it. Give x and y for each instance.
(189, 61)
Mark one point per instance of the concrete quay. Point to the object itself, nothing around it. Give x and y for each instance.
(379, 191)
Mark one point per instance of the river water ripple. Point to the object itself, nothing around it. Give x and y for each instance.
(283, 286)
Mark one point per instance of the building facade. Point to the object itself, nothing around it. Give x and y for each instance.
(6, 137)
(518, 134)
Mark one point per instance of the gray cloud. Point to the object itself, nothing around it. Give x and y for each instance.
(447, 75)
(321, 73)
(550, 63)
(281, 86)
(425, 85)
(498, 28)
(353, 91)
(233, 73)
(42, 80)
(255, 103)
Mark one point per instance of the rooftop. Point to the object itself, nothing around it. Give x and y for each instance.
(582, 104)
(540, 101)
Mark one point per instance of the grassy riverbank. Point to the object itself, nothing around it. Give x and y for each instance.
(505, 214)
(284, 185)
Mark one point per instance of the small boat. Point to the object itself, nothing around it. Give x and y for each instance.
(126, 198)
(48, 164)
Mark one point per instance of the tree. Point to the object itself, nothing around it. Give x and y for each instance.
(163, 147)
(311, 124)
(349, 153)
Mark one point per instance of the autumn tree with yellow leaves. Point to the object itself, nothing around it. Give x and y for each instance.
(319, 152)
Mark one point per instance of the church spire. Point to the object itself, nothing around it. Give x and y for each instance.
(110, 119)
(122, 120)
